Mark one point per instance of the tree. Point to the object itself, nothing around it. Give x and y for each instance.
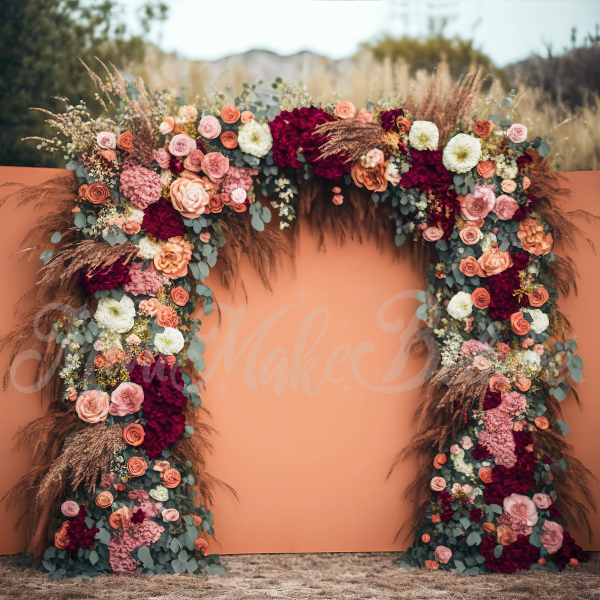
(40, 45)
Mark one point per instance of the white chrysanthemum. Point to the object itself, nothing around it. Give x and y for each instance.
(116, 316)
(169, 342)
(460, 465)
(160, 493)
(460, 306)
(507, 170)
(149, 248)
(540, 319)
(424, 135)
(133, 214)
(255, 139)
(462, 153)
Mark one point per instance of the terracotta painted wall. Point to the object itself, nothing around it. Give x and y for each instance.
(310, 391)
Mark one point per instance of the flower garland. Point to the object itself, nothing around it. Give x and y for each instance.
(161, 184)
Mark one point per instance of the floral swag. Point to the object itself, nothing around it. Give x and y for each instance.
(160, 189)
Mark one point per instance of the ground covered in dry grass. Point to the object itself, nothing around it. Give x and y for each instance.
(300, 576)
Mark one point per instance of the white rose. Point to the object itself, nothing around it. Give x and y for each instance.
(460, 306)
(160, 493)
(462, 153)
(424, 135)
(116, 316)
(169, 342)
(255, 139)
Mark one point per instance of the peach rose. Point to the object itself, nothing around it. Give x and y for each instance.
(538, 297)
(436, 518)
(521, 508)
(470, 235)
(470, 267)
(182, 145)
(502, 349)
(542, 422)
(104, 499)
(505, 207)
(542, 501)
(161, 466)
(518, 324)
(486, 169)
(527, 342)
(432, 234)
(180, 296)
(133, 434)
(99, 360)
(229, 140)
(247, 116)
(494, 261)
(523, 383)
(425, 538)
(69, 508)
(61, 537)
(573, 562)
(517, 133)
(131, 227)
(476, 206)
(126, 399)
(539, 349)
(197, 519)
(205, 237)
(170, 514)
(120, 518)
(439, 460)
(114, 356)
(499, 382)
(174, 257)
(97, 193)
(345, 110)
(193, 161)
(125, 141)
(482, 128)
(72, 394)
(230, 114)
(145, 358)
(437, 484)
(553, 538)
(508, 186)
(533, 240)
(403, 125)
(372, 179)
(485, 474)
(167, 317)
(150, 307)
(505, 535)
(489, 527)
(431, 565)
(136, 466)
(106, 140)
(541, 561)
(481, 363)
(189, 196)
(215, 165)
(526, 182)
(92, 406)
(167, 125)
(481, 298)
(209, 127)
(443, 554)
(133, 340)
(171, 478)
(202, 546)
(216, 203)
(364, 115)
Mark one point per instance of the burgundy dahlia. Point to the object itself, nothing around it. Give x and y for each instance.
(389, 119)
(519, 555)
(138, 516)
(163, 221)
(476, 515)
(569, 550)
(80, 535)
(526, 208)
(501, 288)
(105, 278)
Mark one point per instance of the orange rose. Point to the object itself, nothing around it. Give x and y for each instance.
(120, 518)
(482, 128)
(174, 257)
(493, 261)
(437, 484)
(506, 535)
(499, 382)
(439, 460)
(171, 478)
(180, 296)
(229, 140)
(125, 141)
(92, 406)
(489, 527)
(403, 125)
(104, 499)
(573, 562)
(197, 519)
(518, 324)
(538, 297)
(541, 561)
(167, 317)
(119, 487)
(486, 168)
(189, 196)
(485, 474)
(426, 538)
(61, 537)
(145, 358)
(216, 203)
(542, 422)
(131, 227)
(136, 466)
(470, 267)
(503, 349)
(481, 298)
(372, 179)
(99, 360)
(436, 518)
(247, 116)
(344, 110)
(230, 114)
(114, 356)
(431, 565)
(97, 193)
(523, 383)
(150, 307)
(470, 234)
(133, 434)
(202, 546)
(532, 237)
(239, 208)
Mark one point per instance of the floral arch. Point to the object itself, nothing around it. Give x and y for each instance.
(161, 190)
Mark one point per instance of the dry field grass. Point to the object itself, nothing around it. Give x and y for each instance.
(307, 576)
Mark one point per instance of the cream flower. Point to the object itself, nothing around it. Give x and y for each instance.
(460, 306)
(540, 319)
(114, 315)
(134, 214)
(460, 465)
(149, 248)
(462, 153)
(255, 139)
(188, 114)
(507, 170)
(424, 135)
(160, 493)
(169, 342)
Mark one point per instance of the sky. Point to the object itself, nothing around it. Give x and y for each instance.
(506, 30)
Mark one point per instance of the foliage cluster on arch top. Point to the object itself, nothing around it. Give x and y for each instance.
(166, 177)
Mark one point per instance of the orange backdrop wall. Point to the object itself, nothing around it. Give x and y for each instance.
(310, 390)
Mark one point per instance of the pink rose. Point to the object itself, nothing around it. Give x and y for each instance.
(107, 480)
(437, 484)
(456, 488)
(517, 133)
(163, 158)
(454, 449)
(443, 554)
(470, 235)
(337, 199)
(506, 207)
(106, 140)
(471, 346)
(481, 363)
(209, 127)
(527, 342)
(475, 207)
(344, 110)
(92, 406)
(126, 399)
(205, 237)
(553, 539)
(466, 489)
(182, 145)
(133, 339)
(215, 165)
(538, 349)
(521, 509)
(364, 115)
(151, 509)
(170, 514)
(432, 234)
(542, 501)
(508, 186)
(72, 394)
(239, 195)
(193, 161)
(189, 197)
(466, 442)
(69, 508)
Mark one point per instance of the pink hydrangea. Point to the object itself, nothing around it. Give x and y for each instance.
(142, 186)
(471, 346)
(123, 544)
(518, 526)
(163, 158)
(237, 177)
(151, 509)
(140, 495)
(145, 283)
(107, 480)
